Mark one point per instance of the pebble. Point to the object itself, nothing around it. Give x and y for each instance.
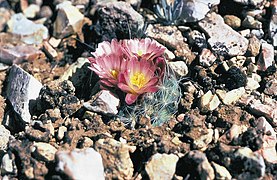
(268, 150)
(196, 10)
(259, 33)
(249, 2)
(5, 15)
(172, 38)
(198, 161)
(254, 46)
(44, 151)
(232, 21)
(179, 67)
(231, 96)
(273, 24)
(116, 158)
(110, 17)
(221, 172)
(31, 11)
(61, 131)
(104, 102)
(203, 141)
(34, 34)
(206, 58)
(209, 102)
(161, 166)
(267, 109)
(22, 91)
(253, 163)
(251, 84)
(223, 39)
(6, 165)
(81, 164)
(271, 87)
(4, 137)
(69, 20)
(16, 54)
(197, 39)
(251, 22)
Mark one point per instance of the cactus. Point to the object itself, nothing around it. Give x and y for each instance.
(159, 106)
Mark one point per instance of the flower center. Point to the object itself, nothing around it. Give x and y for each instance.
(140, 53)
(138, 79)
(114, 73)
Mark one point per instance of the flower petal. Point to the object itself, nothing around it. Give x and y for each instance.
(131, 98)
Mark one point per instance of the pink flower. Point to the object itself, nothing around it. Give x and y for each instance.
(140, 77)
(107, 68)
(143, 48)
(106, 48)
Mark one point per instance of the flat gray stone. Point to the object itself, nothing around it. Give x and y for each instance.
(223, 39)
(22, 90)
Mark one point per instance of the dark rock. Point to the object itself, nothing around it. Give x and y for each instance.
(235, 78)
(59, 94)
(118, 20)
(28, 167)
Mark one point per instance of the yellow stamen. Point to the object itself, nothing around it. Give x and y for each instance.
(114, 73)
(140, 53)
(138, 79)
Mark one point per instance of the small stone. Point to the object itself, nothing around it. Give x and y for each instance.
(179, 67)
(232, 21)
(172, 38)
(198, 39)
(34, 34)
(250, 2)
(233, 133)
(61, 132)
(49, 50)
(250, 22)
(31, 11)
(223, 39)
(254, 46)
(81, 164)
(267, 109)
(271, 87)
(161, 166)
(253, 163)
(87, 142)
(203, 141)
(4, 137)
(273, 24)
(104, 102)
(69, 20)
(54, 42)
(5, 15)
(209, 102)
(197, 161)
(259, 33)
(196, 10)
(251, 84)
(116, 158)
(37, 135)
(6, 165)
(231, 96)
(268, 150)
(15, 54)
(45, 151)
(245, 32)
(45, 12)
(110, 21)
(22, 91)
(206, 58)
(221, 172)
